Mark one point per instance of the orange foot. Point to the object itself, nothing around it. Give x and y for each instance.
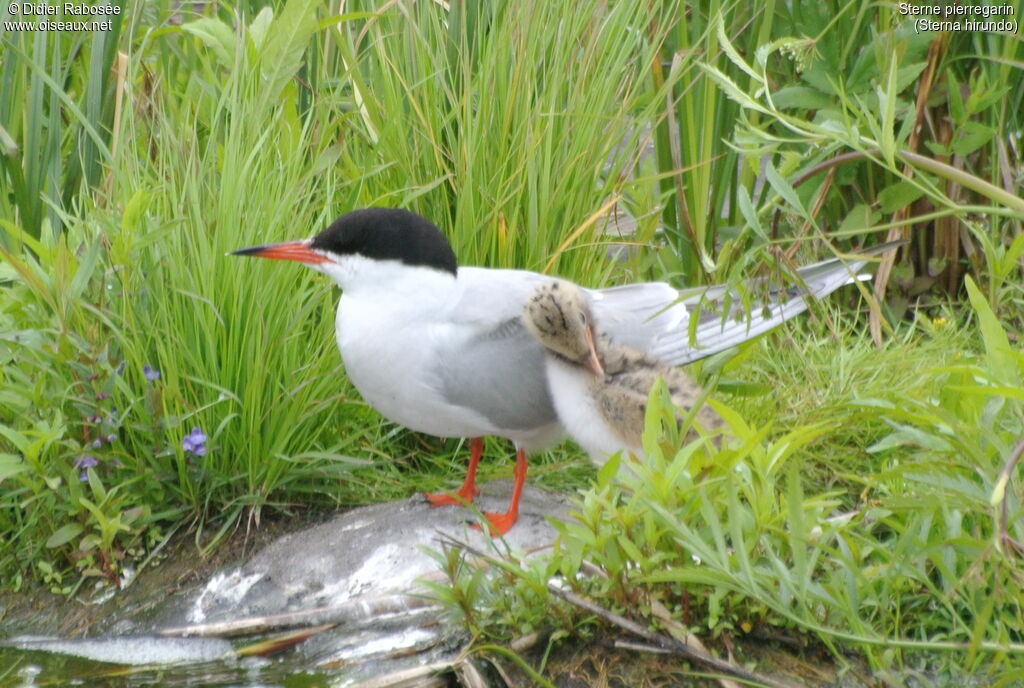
(465, 494)
(499, 524)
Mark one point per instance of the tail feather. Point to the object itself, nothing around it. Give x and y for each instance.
(716, 333)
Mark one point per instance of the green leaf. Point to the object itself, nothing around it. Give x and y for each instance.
(743, 388)
(898, 195)
(10, 465)
(749, 212)
(887, 106)
(999, 356)
(911, 436)
(1012, 257)
(956, 99)
(19, 440)
(731, 90)
(64, 535)
(259, 26)
(857, 221)
(819, 75)
(8, 146)
(84, 272)
(215, 35)
(289, 37)
(972, 136)
(803, 97)
(134, 211)
(734, 55)
(784, 189)
(905, 76)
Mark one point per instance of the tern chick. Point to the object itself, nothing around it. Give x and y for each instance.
(599, 388)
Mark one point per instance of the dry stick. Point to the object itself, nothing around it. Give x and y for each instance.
(819, 202)
(683, 635)
(664, 642)
(829, 166)
(339, 614)
(806, 227)
(426, 676)
(642, 647)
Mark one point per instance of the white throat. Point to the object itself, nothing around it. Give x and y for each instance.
(366, 278)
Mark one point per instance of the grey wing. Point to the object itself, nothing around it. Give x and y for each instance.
(499, 373)
(496, 367)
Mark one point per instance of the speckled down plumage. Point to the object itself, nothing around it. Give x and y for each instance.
(630, 374)
(603, 412)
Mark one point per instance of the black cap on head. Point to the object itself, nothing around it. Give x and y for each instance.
(388, 234)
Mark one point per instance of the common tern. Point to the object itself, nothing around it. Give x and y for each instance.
(442, 349)
(600, 388)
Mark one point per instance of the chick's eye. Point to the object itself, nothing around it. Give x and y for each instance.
(583, 318)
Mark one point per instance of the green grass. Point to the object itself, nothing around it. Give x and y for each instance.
(132, 161)
(850, 505)
(219, 146)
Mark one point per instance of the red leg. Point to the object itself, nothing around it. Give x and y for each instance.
(500, 523)
(468, 490)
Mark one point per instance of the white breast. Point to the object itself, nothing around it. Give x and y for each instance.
(577, 409)
(388, 352)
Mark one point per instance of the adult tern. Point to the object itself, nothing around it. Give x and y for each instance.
(442, 349)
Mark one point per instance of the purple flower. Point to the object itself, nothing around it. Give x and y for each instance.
(83, 462)
(97, 443)
(111, 437)
(150, 372)
(120, 368)
(195, 442)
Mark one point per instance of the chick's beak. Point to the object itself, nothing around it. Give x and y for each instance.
(286, 250)
(592, 362)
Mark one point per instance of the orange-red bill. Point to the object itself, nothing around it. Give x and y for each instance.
(286, 250)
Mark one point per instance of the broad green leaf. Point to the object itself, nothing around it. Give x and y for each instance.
(905, 76)
(972, 136)
(19, 440)
(784, 189)
(898, 195)
(10, 465)
(259, 26)
(215, 35)
(820, 77)
(999, 355)
(286, 44)
(64, 535)
(907, 435)
(859, 219)
(134, 210)
(803, 97)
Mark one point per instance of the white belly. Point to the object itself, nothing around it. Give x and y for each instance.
(388, 359)
(580, 416)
